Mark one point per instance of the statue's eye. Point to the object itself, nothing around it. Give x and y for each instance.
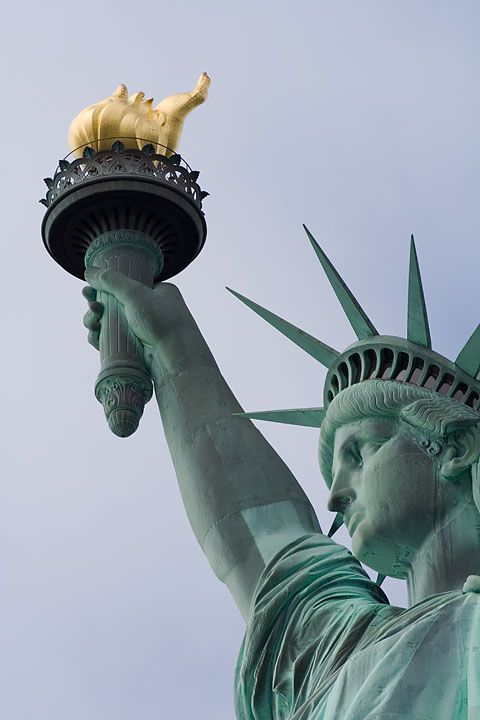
(370, 448)
(353, 455)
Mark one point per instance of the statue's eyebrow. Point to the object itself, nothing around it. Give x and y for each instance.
(356, 438)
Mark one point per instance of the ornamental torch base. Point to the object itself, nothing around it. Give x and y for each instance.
(123, 385)
(135, 211)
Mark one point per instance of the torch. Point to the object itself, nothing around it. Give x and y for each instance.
(125, 199)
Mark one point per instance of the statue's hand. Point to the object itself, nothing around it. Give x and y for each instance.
(151, 313)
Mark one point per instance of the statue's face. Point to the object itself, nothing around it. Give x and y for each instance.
(389, 491)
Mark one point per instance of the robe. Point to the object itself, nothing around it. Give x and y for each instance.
(322, 643)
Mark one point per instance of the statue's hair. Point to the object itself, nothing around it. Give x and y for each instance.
(435, 416)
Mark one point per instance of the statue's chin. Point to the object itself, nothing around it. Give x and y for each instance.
(379, 553)
(360, 544)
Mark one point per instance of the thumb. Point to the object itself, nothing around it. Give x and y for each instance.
(116, 283)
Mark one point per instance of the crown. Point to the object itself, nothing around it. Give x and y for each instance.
(409, 360)
(135, 121)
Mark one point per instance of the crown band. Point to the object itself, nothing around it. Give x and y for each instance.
(389, 358)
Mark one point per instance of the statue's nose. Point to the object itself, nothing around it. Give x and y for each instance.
(342, 493)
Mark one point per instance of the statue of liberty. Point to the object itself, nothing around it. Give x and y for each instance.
(400, 451)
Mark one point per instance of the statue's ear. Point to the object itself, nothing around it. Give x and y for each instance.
(461, 451)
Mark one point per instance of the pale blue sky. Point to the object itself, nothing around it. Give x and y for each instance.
(359, 118)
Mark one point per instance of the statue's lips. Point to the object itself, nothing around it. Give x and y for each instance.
(352, 521)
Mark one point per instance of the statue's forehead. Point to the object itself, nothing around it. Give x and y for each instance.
(366, 428)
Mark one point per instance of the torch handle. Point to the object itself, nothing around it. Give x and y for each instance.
(123, 385)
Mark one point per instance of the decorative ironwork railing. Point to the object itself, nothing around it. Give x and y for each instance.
(145, 163)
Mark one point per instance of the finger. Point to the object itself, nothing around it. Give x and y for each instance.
(96, 308)
(91, 320)
(114, 282)
(94, 338)
(89, 293)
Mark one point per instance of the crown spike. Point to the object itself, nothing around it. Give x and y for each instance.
(468, 358)
(306, 417)
(359, 321)
(418, 330)
(336, 525)
(318, 350)
(380, 579)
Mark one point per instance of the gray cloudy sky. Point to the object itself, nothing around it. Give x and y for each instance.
(359, 118)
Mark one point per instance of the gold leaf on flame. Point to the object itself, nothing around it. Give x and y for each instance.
(135, 121)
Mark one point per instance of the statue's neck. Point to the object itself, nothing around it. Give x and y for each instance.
(447, 558)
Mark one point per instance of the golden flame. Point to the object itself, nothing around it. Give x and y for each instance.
(135, 121)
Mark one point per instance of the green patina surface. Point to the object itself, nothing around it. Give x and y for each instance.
(400, 452)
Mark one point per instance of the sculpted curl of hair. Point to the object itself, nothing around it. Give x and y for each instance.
(434, 416)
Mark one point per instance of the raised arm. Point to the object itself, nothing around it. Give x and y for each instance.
(242, 501)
